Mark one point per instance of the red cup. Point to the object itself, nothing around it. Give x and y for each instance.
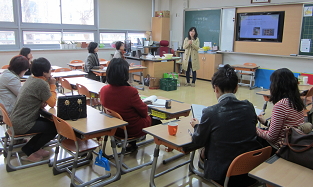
(172, 128)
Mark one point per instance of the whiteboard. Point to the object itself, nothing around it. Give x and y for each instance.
(227, 29)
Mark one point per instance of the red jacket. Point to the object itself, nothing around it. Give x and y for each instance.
(125, 100)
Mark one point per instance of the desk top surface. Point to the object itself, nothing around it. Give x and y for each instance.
(94, 123)
(244, 66)
(177, 107)
(283, 173)
(68, 73)
(153, 59)
(92, 85)
(130, 69)
(180, 139)
(301, 88)
(81, 64)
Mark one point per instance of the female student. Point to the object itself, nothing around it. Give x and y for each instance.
(36, 93)
(226, 130)
(26, 52)
(92, 61)
(124, 99)
(119, 53)
(287, 110)
(10, 83)
(191, 59)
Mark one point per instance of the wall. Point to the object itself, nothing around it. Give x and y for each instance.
(268, 62)
(125, 14)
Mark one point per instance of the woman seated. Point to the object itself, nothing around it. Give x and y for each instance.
(10, 83)
(287, 110)
(93, 61)
(26, 52)
(226, 130)
(124, 99)
(119, 53)
(36, 93)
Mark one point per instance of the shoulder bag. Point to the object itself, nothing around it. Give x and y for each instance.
(297, 147)
(71, 107)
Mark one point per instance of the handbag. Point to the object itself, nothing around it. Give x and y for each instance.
(72, 107)
(297, 147)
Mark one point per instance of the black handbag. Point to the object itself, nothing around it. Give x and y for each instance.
(72, 107)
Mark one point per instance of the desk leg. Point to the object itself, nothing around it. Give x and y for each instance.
(155, 160)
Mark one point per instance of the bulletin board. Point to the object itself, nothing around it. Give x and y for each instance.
(306, 47)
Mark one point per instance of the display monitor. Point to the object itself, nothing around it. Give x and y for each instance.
(260, 26)
(128, 45)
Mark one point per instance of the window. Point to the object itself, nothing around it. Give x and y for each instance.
(41, 11)
(111, 37)
(6, 11)
(7, 38)
(133, 36)
(82, 12)
(69, 37)
(32, 37)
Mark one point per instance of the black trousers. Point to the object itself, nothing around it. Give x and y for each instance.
(47, 131)
(194, 73)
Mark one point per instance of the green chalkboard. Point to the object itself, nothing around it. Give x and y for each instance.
(307, 29)
(207, 23)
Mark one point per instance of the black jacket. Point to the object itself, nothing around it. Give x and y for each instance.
(92, 63)
(227, 130)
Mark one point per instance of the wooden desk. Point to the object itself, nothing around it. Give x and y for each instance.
(252, 69)
(75, 66)
(132, 69)
(68, 74)
(177, 110)
(92, 85)
(180, 142)
(95, 125)
(279, 172)
(304, 87)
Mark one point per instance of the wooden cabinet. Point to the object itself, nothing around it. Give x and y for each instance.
(160, 29)
(208, 65)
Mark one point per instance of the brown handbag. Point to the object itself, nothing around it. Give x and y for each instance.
(297, 147)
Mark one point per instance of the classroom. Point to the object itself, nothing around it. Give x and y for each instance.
(55, 35)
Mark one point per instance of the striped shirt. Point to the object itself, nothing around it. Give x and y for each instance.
(283, 116)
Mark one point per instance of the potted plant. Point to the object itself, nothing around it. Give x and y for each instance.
(62, 44)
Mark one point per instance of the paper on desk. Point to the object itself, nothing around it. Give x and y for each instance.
(156, 106)
(197, 111)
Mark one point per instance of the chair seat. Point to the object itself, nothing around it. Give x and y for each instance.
(84, 145)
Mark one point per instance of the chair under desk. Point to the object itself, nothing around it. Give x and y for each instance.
(95, 125)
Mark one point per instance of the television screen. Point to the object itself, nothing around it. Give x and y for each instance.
(128, 46)
(260, 26)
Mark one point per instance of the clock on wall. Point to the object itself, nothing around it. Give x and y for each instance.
(260, 1)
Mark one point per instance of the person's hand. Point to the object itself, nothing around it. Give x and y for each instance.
(101, 67)
(190, 42)
(51, 80)
(131, 64)
(43, 105)
(193, 122)
(261, 118)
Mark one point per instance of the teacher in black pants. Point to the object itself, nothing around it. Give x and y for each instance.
(191, 58)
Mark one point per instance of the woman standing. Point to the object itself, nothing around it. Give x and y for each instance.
(26, 52)
(92, 61)
(191, 58)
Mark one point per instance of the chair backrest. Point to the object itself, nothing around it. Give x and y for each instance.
(250, 64)
(102, 59)
(245, 162)
(65, 84)
(5, 116)
(82, 90)
(76, 61)
(5, 67)
(62, 69)
(64, 128)
(112, 113)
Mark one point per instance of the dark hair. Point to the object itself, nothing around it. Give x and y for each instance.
(285, 85)
(25, 51)
(39, 66)
(196, 33)
(18, 64)
(92, 46)
(226, 79)
(118, 45)
(118, 72)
